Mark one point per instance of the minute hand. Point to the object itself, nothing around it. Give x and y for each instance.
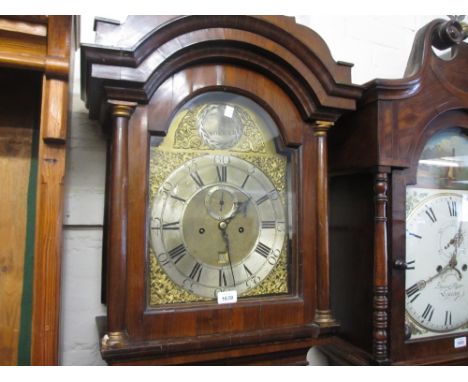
(223, 228)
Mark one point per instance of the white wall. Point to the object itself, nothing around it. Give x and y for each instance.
(379, 46)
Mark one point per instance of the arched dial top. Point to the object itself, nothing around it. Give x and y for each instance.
(217, 224)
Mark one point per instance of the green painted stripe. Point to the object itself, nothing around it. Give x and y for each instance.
(24, 343)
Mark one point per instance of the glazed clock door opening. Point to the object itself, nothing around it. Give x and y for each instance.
(219, 204)
(437, 239)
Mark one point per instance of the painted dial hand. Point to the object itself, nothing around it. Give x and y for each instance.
(420, 285)
(457, 240)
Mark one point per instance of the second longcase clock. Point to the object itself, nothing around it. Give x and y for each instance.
(398, 221)
(216, 223)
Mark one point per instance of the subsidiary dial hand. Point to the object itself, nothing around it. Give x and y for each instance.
(221, 202)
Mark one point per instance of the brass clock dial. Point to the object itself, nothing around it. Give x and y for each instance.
(218, 203)
(218, 225)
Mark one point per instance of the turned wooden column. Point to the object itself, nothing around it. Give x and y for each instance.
(117, 224)
(380, 299)
(323, 314)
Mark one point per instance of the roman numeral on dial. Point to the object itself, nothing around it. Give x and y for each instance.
(247, 270)
(196, 272)
(412, 290)
(262, 199)
(196, 178)
(267, 224)
(272, 194)
(430, 213)
(222, 173)
(171, 226)
(452, 206)
(428, 312)
(263, 249)
(178, 198)
(245, 181)
(448, 318)
(222, 278)
(177, 253)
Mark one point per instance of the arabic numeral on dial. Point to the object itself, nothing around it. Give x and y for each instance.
(156, 224)
(273, 257)
(252, 282)
(281, 226)
(274, 194)
(163, 259)
(221, 159)
(167, 186)
(188, 284)
(166, 189)
(191, 166)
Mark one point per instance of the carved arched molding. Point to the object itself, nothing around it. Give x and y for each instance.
(293, 56)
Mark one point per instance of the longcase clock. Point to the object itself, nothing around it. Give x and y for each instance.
(398, 216)
(216, 234)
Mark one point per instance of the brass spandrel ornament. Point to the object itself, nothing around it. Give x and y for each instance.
(218, 216)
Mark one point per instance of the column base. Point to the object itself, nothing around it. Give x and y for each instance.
(325, 319)
(113, 340)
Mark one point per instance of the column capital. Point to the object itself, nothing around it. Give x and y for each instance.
(321, 127)
(122, 108)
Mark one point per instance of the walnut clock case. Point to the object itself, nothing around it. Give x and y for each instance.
(398, 199)
(216, 223)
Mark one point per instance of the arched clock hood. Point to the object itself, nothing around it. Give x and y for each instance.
(132, 59)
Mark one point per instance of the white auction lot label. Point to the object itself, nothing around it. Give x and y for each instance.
(459, 342)
(227, 297)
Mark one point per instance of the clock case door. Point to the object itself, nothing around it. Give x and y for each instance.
(374, 155)
(288, 71)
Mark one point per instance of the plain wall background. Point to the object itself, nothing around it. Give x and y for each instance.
(378, 46)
